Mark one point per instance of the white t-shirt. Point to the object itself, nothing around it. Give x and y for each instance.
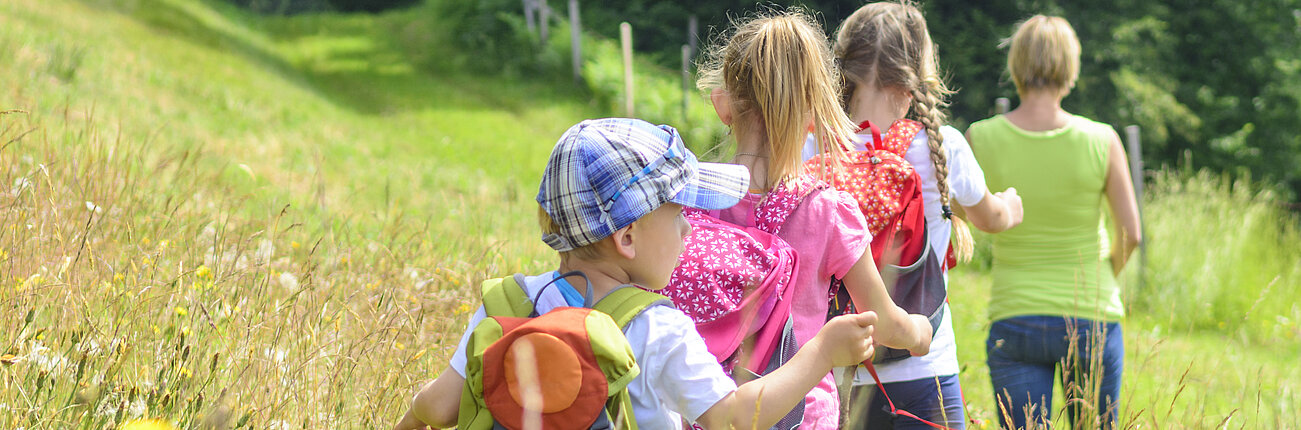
(679, 377)
(966, 188)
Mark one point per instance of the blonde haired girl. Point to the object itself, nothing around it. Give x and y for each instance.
(891, 72)
(1054, 302)
(773, 80)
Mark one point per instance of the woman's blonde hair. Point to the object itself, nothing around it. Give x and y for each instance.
(887, 45)
(1043, 54)
(777, 70)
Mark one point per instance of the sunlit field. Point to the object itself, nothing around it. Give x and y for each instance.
(226, 220)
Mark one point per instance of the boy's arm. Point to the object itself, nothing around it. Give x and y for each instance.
(843, 341)
(436, 405)
(897, 328)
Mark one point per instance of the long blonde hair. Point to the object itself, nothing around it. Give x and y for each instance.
(777, 69)
(887, 45)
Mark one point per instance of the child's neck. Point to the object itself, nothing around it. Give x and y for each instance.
(604, 276)
(752, 152)
(882, 108)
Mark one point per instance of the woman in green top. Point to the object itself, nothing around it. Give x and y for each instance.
(1054, 301)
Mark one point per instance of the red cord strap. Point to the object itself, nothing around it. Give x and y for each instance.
(872, 369)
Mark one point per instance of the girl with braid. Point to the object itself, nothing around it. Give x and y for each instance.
(887, 58)
(771, 80)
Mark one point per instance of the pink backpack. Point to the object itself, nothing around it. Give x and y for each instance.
(737, 284)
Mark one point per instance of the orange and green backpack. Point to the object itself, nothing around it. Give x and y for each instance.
(567, 368)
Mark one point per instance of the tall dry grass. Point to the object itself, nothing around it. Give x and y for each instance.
(139, 283)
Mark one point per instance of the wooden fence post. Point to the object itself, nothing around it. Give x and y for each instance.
(544, 20)
(528, 15)
(575, 41)
(625, 36)
(693, 36)
(686, 82)
(1135, 149)
(1002, 105)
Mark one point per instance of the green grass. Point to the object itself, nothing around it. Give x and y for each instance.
(274, 222)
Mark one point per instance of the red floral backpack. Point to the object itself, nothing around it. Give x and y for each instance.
(889, 193)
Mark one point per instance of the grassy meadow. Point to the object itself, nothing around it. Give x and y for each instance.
(234, 221)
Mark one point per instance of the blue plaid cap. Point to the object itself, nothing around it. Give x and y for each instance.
(606, 173)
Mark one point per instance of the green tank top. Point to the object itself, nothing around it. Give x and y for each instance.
(1057, 261)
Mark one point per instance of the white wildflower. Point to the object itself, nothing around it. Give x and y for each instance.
(94, 208)
(288, 281)
(138, 408)
(89, 347)
(21, 184)
(46, 359)
(276, 354)
(107, 408)
(265, 249)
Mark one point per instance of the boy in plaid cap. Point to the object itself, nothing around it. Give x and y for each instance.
(611, 204)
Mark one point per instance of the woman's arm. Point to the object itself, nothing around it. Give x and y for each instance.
(896, 328)
(1124, 208)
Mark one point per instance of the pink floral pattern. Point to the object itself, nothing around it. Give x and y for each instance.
(733, 280)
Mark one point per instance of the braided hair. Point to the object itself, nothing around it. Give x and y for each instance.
(887, 45)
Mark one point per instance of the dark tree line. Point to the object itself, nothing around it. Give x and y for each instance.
(1216, 83)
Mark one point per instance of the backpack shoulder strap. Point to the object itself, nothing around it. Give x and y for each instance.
(782, 200)
(505, 297)
(900, 136)
(626, 302)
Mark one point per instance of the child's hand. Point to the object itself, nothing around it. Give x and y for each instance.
(849, 338)
(1015, 212)
(409, 422)
(923, 325)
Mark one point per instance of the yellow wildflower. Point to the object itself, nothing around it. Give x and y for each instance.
(180, 311)
(156, 330)
(295, 245)
(186, 373)
(399, 346)
(463, 308)
(150, 424)
(203, 272)
(118, 277)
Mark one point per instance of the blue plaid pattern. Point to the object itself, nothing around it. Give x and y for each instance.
(606, 173)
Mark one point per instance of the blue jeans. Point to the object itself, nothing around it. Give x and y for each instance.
(1024, 353)
(869, 410)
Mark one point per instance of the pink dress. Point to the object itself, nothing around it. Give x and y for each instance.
(830, 234)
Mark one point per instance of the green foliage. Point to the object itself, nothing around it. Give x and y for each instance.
(1192, 73)
(657, 95)
(1221, 255)
(492, 36)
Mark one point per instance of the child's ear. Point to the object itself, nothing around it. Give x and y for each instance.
(722, 105)
(623, 240)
